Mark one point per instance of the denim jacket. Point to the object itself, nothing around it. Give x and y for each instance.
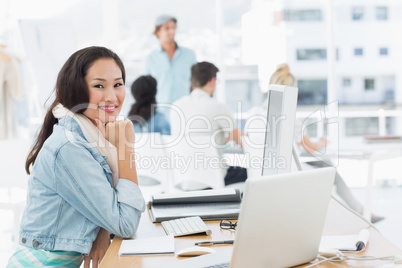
(71, 195)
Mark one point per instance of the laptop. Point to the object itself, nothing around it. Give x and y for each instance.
(280, 223)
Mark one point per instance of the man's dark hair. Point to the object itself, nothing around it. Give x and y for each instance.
(202, 73)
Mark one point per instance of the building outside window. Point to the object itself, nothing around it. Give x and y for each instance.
(346, 82)
(312, 92)
(302, 15)
(369, 84)
(361, 126)
(358, 51)
(311, 54)
(382, 13)
(383, 51)
(357, 13)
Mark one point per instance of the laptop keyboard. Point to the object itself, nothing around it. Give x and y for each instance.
(222, 265)
(186, 226)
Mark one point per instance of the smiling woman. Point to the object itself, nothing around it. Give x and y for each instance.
(82, 185)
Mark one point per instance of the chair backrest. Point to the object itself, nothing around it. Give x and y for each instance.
(196, 163)
(152, 162)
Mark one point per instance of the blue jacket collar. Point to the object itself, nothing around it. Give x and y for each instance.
(71, 124)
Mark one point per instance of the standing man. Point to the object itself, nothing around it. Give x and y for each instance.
(170, 64)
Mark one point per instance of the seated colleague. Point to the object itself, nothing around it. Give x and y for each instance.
(305, 145)
(204, 115)
(143, 113)
(82, 184)
(282, 76)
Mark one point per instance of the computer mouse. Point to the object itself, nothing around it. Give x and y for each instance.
(194, 251)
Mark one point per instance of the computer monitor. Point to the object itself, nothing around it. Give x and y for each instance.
(282, 102)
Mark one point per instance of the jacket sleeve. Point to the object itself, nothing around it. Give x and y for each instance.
(82, 182)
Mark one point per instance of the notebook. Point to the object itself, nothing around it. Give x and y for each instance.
(280, 222)
(148, 246)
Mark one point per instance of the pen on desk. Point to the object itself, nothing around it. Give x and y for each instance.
(212, 243)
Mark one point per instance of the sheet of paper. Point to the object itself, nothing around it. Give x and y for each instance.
(148, 246)
(346, 242)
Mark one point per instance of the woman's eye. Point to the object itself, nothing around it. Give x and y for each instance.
(118, 85)
(98, 86)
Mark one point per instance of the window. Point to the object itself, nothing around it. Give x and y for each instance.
(347, 82)
(358, 51)
(382, 13)
(357, 13)
(361, 126)
(383, 51)
(312, 92)
(311, 54)
(369, 84)
(302, 15)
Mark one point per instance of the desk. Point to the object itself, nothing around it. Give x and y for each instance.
(359, 149)
(339, 222)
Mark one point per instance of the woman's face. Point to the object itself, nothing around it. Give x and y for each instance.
(106, 91)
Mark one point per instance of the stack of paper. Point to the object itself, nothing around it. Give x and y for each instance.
(207, 204)
(148, 246)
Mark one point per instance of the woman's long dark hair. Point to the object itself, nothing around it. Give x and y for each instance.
(71, 91)
(144, 92)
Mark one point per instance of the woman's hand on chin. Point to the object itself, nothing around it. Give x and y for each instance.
(120, 133)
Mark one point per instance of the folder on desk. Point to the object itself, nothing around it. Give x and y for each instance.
(208, 204)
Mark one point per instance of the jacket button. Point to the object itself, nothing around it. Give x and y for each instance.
(24, 240)
(35, 243)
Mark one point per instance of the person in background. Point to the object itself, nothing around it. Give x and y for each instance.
(170, 64)
(306, 146)
(282, 76)
(82, 184)
(203, 115)
(143, 113)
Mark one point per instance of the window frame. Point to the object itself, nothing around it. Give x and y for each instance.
(355, 51)
(366, 83)
(379, 15)
(358, 13)
(381, 51)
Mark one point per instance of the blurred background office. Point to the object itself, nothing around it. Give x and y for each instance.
(343, 52)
